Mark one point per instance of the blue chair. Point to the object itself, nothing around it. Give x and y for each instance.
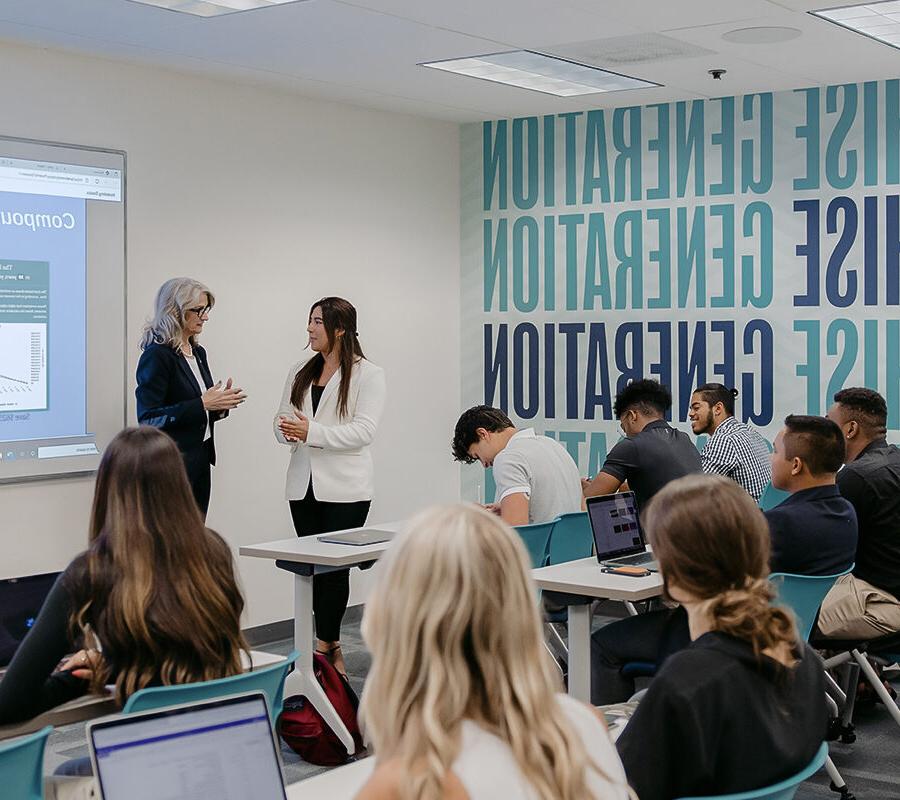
(22, 766)
(803, 594)
(772, 497)
(536, 538)
(784, 790)
(269, 680)
(571, 538)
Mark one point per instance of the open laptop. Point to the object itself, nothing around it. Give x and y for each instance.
(20, 602)
(359, 538)
(222, 748)
(618, 535)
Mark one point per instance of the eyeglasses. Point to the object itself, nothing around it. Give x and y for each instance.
(201, 310)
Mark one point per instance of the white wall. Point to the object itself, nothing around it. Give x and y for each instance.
(272, 200)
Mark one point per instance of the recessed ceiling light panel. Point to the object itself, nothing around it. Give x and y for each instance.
(540, 73)
(879, 21)
(213, 8)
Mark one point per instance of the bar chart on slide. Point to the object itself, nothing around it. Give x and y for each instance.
(23, 366)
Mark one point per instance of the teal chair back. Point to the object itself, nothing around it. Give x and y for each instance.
(536, 538)
(269, 680)
(785, 790)
(772, 497)
(571, 538)
(803, 594)
(22, 766)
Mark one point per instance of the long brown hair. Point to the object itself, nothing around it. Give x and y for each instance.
(155, 588)
(712, 540)
(337, 315)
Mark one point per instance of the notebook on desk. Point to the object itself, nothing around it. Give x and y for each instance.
(222, 748)
(21, 600)
(358, 538)
(618, 536)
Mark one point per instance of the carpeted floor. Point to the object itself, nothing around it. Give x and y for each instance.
(870, 766)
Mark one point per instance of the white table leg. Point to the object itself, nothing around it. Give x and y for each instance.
(303, 680)
(580, 652)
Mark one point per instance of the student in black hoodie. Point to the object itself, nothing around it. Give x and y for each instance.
(742, 707)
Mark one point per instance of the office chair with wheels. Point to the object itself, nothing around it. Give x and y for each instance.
(783, 790)
(269, 680)
(22, 766)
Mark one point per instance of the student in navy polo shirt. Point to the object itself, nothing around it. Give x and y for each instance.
(814, 530)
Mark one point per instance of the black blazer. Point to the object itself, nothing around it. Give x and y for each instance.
(168, 397)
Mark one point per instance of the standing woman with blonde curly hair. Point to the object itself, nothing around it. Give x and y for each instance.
(175, 390)
(462, 701)
(742, 707)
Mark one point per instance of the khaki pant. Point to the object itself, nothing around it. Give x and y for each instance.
(854, 609)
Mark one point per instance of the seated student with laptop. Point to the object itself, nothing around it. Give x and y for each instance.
(155, 591)
(813, 532)
(742, 706)
(536, 478)
(461, 701)
(653, 452)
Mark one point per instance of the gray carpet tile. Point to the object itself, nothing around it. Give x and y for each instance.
(870, 766)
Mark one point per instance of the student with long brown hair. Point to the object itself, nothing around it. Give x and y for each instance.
(462, 701)
(329, 414)
(742, 706)
(153, 600)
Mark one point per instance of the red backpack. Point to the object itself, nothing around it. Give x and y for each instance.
(303, 728)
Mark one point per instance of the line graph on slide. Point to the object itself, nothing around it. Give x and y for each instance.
(23, 366)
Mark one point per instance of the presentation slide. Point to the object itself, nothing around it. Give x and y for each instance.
(62, 307)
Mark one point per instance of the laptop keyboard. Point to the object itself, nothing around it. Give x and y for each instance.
(633, 561)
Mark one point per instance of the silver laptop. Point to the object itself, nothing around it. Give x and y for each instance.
(222, 748)
(618, 535)
(358, 538)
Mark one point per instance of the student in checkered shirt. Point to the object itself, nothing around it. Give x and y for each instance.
(733, 449)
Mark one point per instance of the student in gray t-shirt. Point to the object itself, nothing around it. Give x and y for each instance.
(537, 479)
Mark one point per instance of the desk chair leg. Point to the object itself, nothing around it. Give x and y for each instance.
(631, 608)
(877, 685)
(580, 652)
(303, 680)
(837, 782)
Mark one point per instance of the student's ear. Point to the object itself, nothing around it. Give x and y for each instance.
(796, 466)
(481, 433)
(852, 428)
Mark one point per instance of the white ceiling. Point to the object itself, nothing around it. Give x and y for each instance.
(366, 52)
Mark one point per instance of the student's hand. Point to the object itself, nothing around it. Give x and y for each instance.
(494, 508)
(585, 482)
(82, 664)
(294, 429)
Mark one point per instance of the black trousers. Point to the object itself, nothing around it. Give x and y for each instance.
(331, 590)
(196, 462)
(651, 637)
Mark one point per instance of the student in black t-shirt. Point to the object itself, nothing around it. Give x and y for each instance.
(653, 452)
(814, 530)
(742, 706)
(866, 604)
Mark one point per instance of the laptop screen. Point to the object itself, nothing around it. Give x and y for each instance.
(614, 521)
(222, 749)
(20, 602)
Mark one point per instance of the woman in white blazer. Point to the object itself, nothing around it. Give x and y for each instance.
(328, 415)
